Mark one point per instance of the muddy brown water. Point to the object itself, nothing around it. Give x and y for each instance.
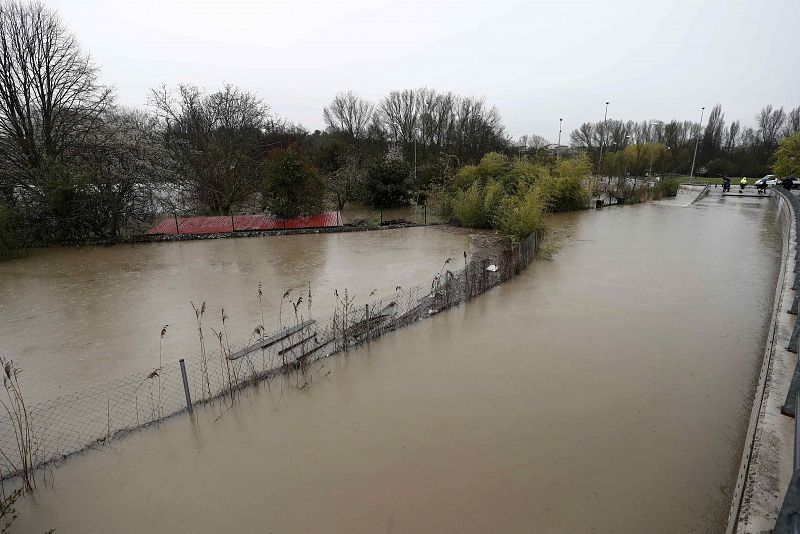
(74, 318)
(605, 391)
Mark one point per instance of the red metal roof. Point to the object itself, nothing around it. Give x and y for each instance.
(225, 223)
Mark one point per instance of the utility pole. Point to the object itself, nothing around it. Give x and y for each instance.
(558, 146)
(696, 143)
(415, 159)
(650, 173)
(602, 138)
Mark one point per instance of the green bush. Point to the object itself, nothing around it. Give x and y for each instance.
(468, 207)
(292, 185)
(493, 195)
(523, 173)
(567, 194)
(387, 183)
(668, 187)
(719, 167)
(522, 214)
(513, 196)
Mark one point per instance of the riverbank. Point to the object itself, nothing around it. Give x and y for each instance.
(157, 238)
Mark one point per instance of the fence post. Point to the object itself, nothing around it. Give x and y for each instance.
(466, 278)
(366, 315)
(186, 386)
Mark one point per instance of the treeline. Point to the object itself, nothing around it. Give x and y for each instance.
(75, 167)
(634, 148)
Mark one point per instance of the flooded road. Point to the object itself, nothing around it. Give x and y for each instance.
(77, 317)
(605, 391)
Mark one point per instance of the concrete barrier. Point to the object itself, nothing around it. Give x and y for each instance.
(765, 470)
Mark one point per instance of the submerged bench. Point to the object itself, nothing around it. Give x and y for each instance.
(271, 340)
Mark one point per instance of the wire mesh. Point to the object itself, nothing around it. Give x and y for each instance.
(73, 422)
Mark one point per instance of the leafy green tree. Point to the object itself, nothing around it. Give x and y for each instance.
(292, 185)
(787, 157)
(387, 182)
(719, 167)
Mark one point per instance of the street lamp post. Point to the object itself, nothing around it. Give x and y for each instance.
(696, 143)
(650, 172)
(414, 133)
(624, 160)
(602, 137)
(415, 158)
(558, 146)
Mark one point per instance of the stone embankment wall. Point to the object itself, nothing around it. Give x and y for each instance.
(766, 465)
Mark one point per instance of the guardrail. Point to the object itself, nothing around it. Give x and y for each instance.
(702, 193)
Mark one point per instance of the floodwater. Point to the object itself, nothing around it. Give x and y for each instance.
(605, 391)
(72, 318)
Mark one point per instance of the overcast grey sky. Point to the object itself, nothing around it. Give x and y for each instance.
(536, 61)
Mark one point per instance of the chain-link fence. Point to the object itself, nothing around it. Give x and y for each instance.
(70, 423)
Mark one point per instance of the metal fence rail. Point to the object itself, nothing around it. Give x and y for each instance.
(73, 422)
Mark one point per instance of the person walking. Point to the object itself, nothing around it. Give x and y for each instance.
(742, 184)
(726, 184)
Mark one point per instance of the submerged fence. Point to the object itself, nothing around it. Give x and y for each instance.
(70, 423)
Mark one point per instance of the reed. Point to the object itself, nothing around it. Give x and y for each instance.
(160, 367)
(17, 411)
(262, 327)
(8, 514)
(198, 314)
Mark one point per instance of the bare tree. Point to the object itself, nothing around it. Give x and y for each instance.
(399, 115)
(731, 137)
(127, 172)
(676, 135)
(620, 134)
(215, 141)
(584, 136)
(435, 118)
(534, 141)
(712, 138)
(792, 122)
(750, 138)
(50, 99)
(477, 129)
(770, 123)
(343, 183)
(348, 114)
